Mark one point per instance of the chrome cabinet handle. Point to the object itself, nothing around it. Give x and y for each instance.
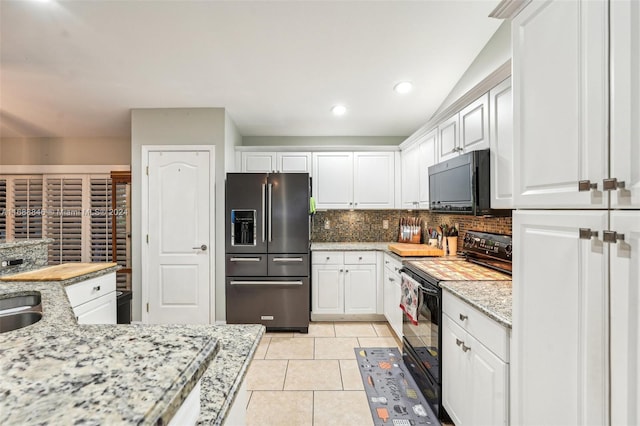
(465, 348)
(287, 259)
(245, 259)
(96, 288)
(459, 342)
(463, 317)
(202, 247)
(586, 185)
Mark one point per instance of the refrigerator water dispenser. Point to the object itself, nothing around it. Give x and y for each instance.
(243, 227)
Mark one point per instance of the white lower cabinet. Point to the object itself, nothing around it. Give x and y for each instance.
(94, 300)
(344, 282)
(475, 365)
(392, 293)
(189, 411)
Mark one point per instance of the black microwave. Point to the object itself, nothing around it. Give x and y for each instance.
(461, 185)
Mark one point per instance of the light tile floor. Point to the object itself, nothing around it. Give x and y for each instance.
(312, 379)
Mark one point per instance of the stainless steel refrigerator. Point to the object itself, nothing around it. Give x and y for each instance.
(267, 250)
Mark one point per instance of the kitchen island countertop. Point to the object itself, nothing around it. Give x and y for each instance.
(56, 371)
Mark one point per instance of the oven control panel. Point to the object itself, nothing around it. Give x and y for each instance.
(484, 243)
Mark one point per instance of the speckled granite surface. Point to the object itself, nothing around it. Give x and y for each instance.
(222, 380)
(34, 254)
(58, 372)
(490, 297)
(348, 246)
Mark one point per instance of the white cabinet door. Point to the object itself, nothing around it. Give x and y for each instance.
(560, 103)
(501, 144)
(392, 312)
(448, 135)
(488, 386)
(333, 180)
(410, 173)
(560, 316)
(625, 319)
(360, 289)
(474, 125)
(294, 162)
(373, 180)
(328, 289)
(102, 310)
(455, 366)
(258, 162)
(625, 107)
(427, 155)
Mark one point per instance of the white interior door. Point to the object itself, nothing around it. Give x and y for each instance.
(180, 187)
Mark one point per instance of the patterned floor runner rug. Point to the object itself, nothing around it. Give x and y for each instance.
(394, 398)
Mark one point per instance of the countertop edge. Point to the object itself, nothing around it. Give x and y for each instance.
(233, 392)
(491, 313)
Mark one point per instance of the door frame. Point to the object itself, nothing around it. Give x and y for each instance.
(144, 224)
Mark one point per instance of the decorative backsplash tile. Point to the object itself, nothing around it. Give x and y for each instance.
(367, 225)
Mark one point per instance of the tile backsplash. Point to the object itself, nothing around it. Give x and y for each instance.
(367, 225)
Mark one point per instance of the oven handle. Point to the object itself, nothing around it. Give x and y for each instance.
(422, 288)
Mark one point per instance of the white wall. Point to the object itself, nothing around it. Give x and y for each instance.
(177, 126)
(64, 151)
(496, 52)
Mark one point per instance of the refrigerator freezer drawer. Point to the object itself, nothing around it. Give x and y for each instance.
(277, 303)
(288, 265)
(254, 265)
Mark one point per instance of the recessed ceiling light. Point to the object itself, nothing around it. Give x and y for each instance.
(339, 110)
(403, 87)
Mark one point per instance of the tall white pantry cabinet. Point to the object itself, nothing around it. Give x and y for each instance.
(576, 279)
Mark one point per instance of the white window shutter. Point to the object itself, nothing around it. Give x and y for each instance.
(26, 208)
(63, 221)
(100, 237)
(3, 209)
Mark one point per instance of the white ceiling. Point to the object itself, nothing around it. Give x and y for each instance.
(75, 69)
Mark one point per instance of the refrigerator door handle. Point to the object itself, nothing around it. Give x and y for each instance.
(245, 259)
(296, 283)
(269, 189)
(287, 259)
(264, 211)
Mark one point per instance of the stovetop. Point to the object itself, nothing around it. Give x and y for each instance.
(447, 270)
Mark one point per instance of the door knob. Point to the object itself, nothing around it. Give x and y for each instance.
(202, 247)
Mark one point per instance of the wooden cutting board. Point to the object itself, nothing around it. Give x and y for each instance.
(58, 272)
(405, 249)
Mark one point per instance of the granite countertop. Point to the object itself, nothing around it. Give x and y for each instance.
(56, 371)
(349, 246)
(22, 243)
(493, 298)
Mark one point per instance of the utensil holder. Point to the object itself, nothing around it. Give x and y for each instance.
(452, 244)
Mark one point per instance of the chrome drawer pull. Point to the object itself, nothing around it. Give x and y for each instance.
(459, 342)
(287, 259)
(245, 259)
(465, 348)
(463, 317)
(266, 282)
(96, 288)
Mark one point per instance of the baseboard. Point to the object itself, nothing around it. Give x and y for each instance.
(343, 317)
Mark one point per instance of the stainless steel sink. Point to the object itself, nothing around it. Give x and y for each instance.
(19, 303)
(20, 311)
(18, 320)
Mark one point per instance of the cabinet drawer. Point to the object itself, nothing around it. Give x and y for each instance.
(246, 265)
(327, 258)
(288, 265)
(491, 334)
(90, 289)
(359, 257)
(392, 264)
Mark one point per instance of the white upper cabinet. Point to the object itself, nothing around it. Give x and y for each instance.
(293, 162)
(373, 180)
(354, 180)
(448, 139)
(333, 180)
(625, 104)
(258, 162)
(275, 162)
(416, 161)
(560, 102)
(466, 131)
(410, 173)
(501, 145)
(474, 125)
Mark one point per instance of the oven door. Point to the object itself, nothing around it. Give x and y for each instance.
(421, 351)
